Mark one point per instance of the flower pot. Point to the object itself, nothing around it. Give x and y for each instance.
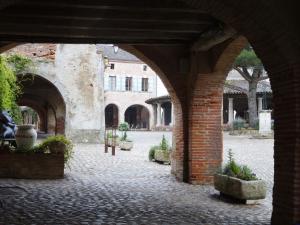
(126, 145)
(25, 136)
(162, 156)
(240, 189)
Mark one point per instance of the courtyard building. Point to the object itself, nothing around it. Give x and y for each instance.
(191, 45)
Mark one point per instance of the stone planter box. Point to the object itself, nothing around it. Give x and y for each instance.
(240, 189)
(162, 156)
(126, 145)
(31, 165)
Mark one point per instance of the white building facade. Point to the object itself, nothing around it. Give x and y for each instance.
(128, 83)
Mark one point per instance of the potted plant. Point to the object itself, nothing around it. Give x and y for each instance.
(44, 161)
(239, 182)
(125, 143)
(160, 153)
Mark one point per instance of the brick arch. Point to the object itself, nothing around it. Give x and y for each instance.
(162, 62)
(275, 41)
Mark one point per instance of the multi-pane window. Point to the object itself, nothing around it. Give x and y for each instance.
(112, 66)
(112, 83)
(128, 84)
(145, 84)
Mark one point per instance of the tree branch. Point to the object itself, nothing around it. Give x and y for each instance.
(243, 72)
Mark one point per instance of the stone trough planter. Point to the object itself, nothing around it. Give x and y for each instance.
(126, 145)
(162, 156)
(31, 166)
(246, 191)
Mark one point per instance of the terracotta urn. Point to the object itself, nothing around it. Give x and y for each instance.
(25, 136)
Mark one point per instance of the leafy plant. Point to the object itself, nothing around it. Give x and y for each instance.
(124, 126)
(44, 147)
(9, 85)
(238, 123)
(235, 170)
(164, 144)
(152, 152)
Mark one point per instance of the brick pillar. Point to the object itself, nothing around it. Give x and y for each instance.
(286, 191)
(205, 131)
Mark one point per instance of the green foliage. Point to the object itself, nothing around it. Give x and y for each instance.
(152, 152)
(164, 144)
(19, 63)
(124, 126)
(9, 86)
(238, 123)
(124, 137)
(44, 146)
(247, 58)
(235, 170)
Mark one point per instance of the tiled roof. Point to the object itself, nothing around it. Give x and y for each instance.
(263, 86)
(109, 52)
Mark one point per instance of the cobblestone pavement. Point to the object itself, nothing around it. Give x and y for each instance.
(128, 189)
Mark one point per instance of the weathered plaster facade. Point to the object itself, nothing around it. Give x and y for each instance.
(75, 71)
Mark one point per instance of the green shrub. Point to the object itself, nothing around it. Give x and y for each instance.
(238, 123)
(233, 169)
(152, 152)
(164, 144)
(124, 126)
(44, 146)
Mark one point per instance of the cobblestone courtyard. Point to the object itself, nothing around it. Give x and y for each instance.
(128, 189)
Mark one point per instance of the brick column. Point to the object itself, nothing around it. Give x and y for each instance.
(205, 131)
(286, 191)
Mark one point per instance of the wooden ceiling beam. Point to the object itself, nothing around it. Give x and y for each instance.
(47, 30)
(152, 16)
(132, 5)
(107, 25)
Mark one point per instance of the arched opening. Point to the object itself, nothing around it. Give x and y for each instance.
(30, 116)
(273, 37)
(41, 95)
(111, 115)
(137, 116)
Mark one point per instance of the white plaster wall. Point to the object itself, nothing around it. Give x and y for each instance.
(78, 68)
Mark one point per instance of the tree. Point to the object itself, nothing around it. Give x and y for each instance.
(10, 88)
(249, 66)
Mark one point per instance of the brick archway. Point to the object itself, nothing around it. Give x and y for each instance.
(272, 28)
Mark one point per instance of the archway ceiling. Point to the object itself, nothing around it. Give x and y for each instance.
(163, 22)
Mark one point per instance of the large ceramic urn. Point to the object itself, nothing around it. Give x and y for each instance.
(25, 136)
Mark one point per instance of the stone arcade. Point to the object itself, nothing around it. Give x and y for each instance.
(191, 45)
